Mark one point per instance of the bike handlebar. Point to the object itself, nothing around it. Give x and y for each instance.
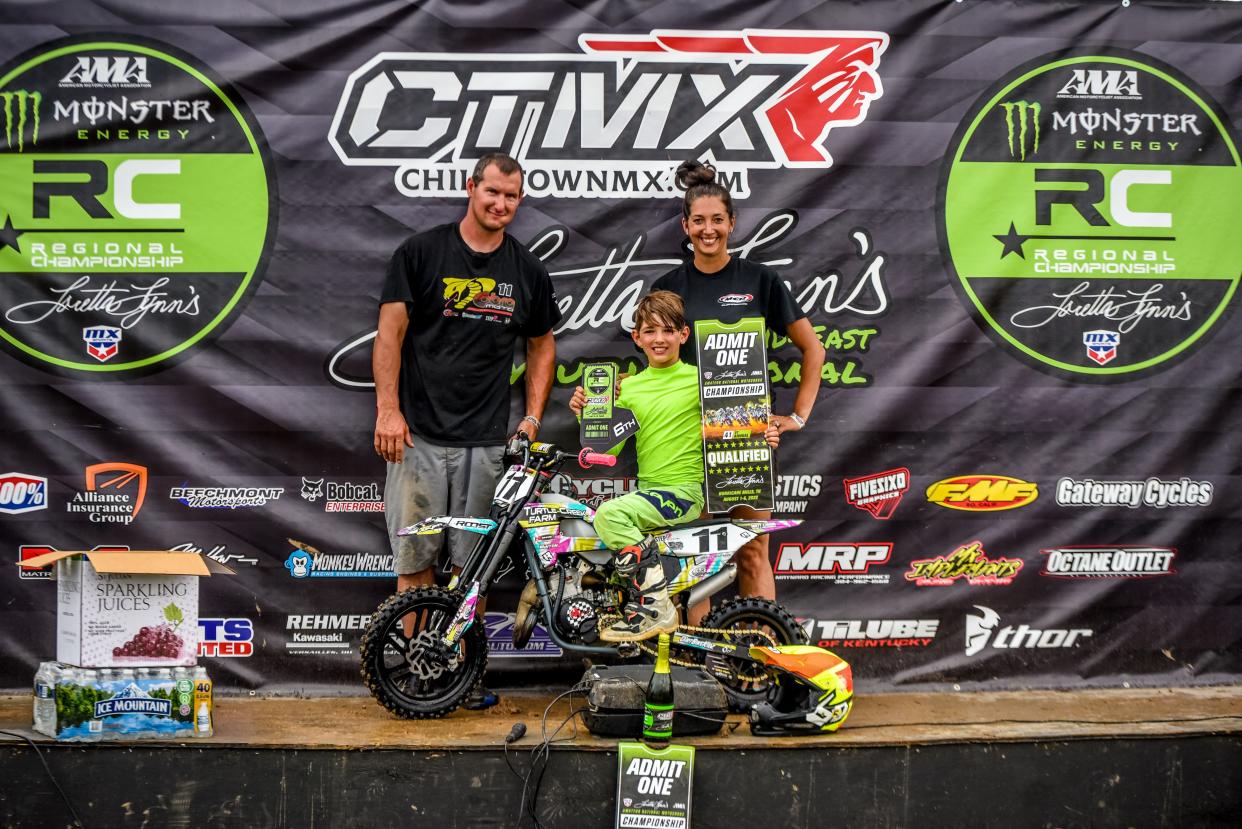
(587, 459)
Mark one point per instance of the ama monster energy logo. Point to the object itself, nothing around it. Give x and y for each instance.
(20, 108)
(1022, 113)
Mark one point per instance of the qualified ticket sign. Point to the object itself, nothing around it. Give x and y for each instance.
(604, 424)
(735, 401)
(654, 786)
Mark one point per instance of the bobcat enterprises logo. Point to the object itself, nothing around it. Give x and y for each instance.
(1088, 199)
(605, 123)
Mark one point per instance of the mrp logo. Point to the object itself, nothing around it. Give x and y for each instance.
(1101, 345)
(1101, 83)
(225, 637)
(605, 123)
(841, 563)
(20, 493)
(102, 341)
(984, 630)
(116, 71)
(982, 493)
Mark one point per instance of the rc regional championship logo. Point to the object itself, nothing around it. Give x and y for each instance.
(1089, 207)
(137, 210)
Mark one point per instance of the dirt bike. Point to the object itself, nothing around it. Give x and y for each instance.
(424, 650)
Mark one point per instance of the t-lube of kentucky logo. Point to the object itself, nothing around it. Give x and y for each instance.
(614, 121)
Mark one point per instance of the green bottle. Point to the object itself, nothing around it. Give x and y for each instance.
(658, 704)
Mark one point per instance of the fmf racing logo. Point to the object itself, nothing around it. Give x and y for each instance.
(982, 493)
(614, 121)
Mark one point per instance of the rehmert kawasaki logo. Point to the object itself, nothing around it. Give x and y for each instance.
(605, 293)
(1136, 196)
(605, 124)
(96, 225)
(979, 634)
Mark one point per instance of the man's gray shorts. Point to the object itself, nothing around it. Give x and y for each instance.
(437, 480)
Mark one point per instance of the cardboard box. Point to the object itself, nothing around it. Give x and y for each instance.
(127, 609)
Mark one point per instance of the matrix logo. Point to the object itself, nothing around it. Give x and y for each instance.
(143, 224)
(1091, 198)
(605, 123)
(21, 119)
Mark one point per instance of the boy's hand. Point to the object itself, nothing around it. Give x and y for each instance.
(577, 401)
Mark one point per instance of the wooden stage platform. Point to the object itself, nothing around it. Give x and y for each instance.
(1139, 757)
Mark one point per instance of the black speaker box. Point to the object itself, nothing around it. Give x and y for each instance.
(615, 701)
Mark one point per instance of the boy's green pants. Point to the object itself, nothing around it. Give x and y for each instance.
(627, 520)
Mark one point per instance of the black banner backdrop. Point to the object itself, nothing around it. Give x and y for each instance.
(1013, 224)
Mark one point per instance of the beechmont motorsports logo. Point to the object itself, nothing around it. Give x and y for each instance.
(137, 212)
(606, 123)
(1088, 213)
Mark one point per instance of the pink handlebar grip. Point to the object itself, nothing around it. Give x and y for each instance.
(587, 458)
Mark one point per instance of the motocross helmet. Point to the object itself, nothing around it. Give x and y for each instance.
(814, 692)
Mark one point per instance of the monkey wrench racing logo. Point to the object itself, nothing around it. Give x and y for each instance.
(605, 124)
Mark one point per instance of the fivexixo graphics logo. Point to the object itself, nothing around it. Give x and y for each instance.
(143, 224)
(878, 494)
(20, 493)
(605, 123)
(1088, 214)
(114, 493)
(843, 563)
(984, 630)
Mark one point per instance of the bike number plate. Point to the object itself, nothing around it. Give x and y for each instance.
(515, 485)
(722, 538)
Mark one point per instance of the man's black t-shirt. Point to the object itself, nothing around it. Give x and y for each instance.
(740, 289)
(467, 310)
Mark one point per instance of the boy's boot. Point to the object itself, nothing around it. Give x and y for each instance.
(650, 612)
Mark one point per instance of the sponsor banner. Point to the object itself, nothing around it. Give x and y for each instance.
(871, 633)
(592, 491)
(305, 562)
(735, 403)
(343, 496)
(982, 493)
(968, 562)
(878, 494)
(985, 632)
(114, 493)
(1108, 562)
(842, 563)
(500, 639)
(1153, 492)
(1089, 201)
(48, 571)
(20, 492)
(225, 638)
(793, 492)
(216, 552)
(224, 497)
(324, 634)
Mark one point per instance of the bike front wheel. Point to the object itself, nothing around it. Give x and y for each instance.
(404, 663)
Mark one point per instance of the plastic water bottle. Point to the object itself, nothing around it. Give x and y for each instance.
(203, 726)
(45, 680)
(90, 678)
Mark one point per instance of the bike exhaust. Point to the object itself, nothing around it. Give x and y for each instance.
(711, 585)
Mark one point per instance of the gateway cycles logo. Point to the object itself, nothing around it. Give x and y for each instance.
(840, 563)
(1154, 492)
(143, 224)
(605, 123)
(968, 562)
(982, 493)
(878, 494)
(1108, 562)
(114, 493)
(984, 630)
(1088, 208)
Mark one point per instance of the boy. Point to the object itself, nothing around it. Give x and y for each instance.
(665, 399)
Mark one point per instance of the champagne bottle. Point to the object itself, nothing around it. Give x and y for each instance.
(658, 703)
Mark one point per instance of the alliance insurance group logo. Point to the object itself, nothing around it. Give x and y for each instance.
(1088, 214)
(114, 493)
(137, 212)
(608, 122)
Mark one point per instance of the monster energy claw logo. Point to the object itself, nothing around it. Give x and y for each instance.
(1019, 111)
(24, 101)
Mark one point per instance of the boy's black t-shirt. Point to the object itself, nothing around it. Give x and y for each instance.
(740, 289)
(467, 310)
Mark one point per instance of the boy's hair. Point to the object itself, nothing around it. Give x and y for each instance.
(660, 307)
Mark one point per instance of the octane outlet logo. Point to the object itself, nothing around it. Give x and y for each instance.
(138, 206)
(604, 123)
(1089, 208)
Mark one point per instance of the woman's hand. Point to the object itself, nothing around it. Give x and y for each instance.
(777, 426)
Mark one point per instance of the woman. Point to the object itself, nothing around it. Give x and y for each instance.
(719, 286)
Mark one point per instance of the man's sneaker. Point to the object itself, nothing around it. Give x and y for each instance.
(650, 613)
(480, 698)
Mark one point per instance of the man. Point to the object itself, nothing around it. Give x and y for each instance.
(455, 300)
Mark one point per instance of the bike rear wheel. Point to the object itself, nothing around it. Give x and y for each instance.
(403, 663)
(750, 621)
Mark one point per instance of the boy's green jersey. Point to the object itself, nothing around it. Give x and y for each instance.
(670, 429)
